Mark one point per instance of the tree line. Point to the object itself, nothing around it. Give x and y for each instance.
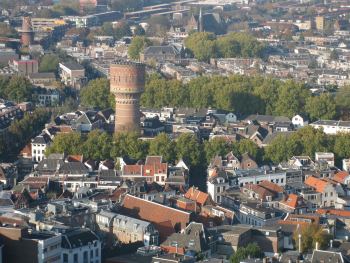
(244, 95)
(205, 45)
(20, 132)
(99, 145)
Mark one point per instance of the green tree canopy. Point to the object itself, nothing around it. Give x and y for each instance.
(96, 94)
(321, 107)
(252, 250)
(68, 143)
(138, 44)
(202, 45)
(310, 235)
(97, 146)
(16, 88)
(49, 63)
(164, 146)
(188, 149)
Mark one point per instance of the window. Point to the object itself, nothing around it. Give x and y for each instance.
(85, 257)
(65, 258)
(91, 253)
(75, 258)
(45, 250)
(96, 251)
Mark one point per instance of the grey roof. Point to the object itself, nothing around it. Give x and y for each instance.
(157, 50)
(49, 165)
(332, 123)
(42, 75)
(271, 136)
(128, 223)
(320, 256)
(195, 238)
(73, 168)
(72, 65)
(78, 237)
(42, 139)
(267, 118)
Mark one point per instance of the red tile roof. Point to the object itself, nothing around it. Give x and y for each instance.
(316, 183)
(292, 201)
(145, 170)
(75, 158)
(271, 186)
(335, 212)
(156, 214)
(340, 176)
(261, 191)
(196, 195)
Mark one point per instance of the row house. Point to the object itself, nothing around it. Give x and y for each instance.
(127, 229)
(326, 190)
(154, 170)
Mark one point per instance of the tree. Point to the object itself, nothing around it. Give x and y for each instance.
(188, 149)
(321, 107)
(69, 143)
(138, 44)
(158, 25)
(281, 149)
(342, 100)
(128, 145)
(342, 146)
(49, 63)
(291, 99)
(18, 89)
(252, 250)
(202, 45)
(96, 94)
(310, 235)
(248, 146)
(162, 145)
(97, 146)
(216, 146)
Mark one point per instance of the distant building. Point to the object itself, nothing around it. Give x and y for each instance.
(332, 126)
(39, 145)
(22, 245)
(72, 74)
(25, 67)
(320, 23)
(80, 246)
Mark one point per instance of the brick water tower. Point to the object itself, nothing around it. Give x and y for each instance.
(127, 84)
(27, 32)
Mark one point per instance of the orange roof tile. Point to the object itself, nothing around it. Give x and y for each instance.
(196, 195)
(271, 186)
(340, 177)
(292, 201)
(335, 212)
(316, 183)
(75, 158)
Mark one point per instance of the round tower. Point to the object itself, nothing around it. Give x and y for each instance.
(27, 33)
(127, 84)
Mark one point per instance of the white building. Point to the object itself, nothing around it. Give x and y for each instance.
(39, 146)
(322, 157)
(72, 74)
(332, 127)
(217, 185)
(81, 246)
(346, 165)
(299, 121)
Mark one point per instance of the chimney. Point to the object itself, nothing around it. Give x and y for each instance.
(316, 246)
(300, 243)
(331, 243)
